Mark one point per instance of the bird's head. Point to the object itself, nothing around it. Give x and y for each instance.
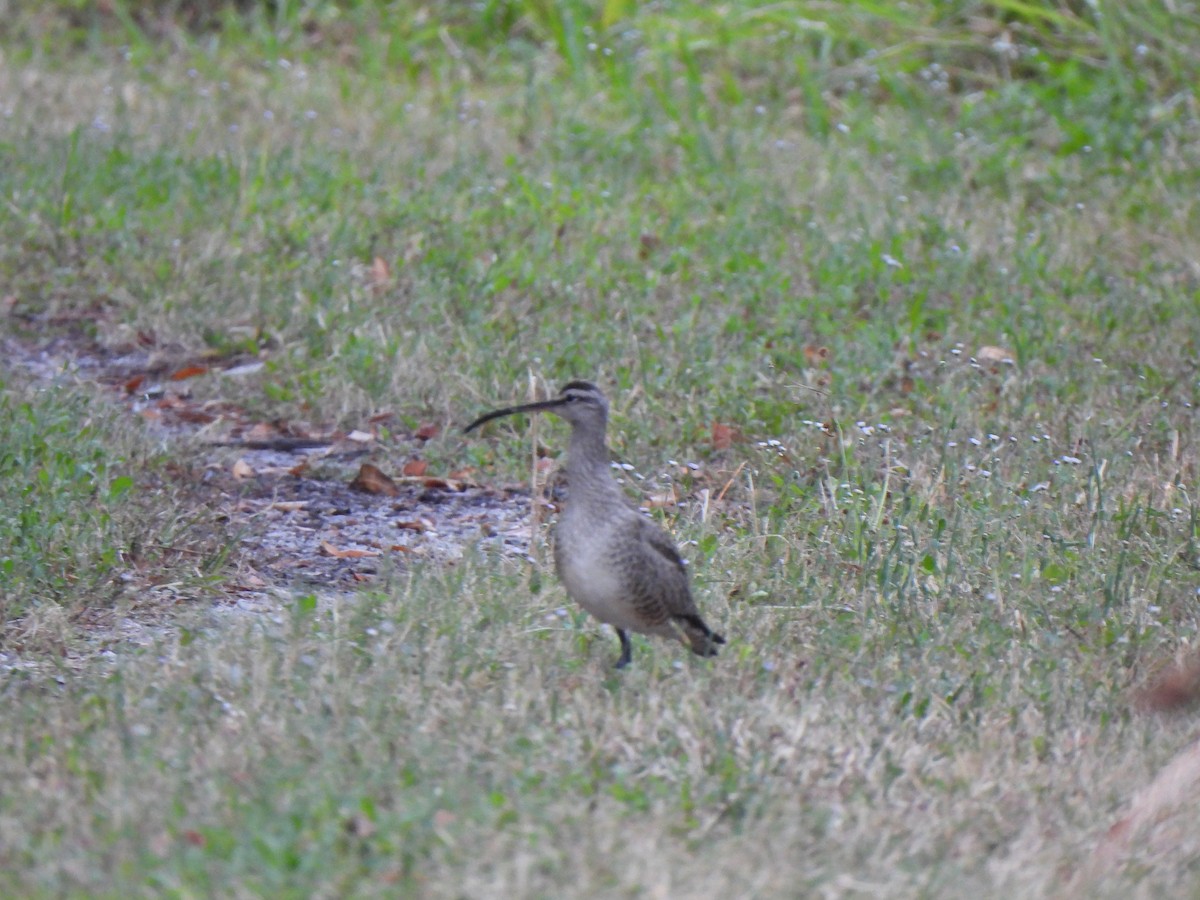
(579, 402)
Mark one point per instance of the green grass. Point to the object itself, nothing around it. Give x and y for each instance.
(93, 522)
(941, 576)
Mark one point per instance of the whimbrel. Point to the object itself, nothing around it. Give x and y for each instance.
(613, 561)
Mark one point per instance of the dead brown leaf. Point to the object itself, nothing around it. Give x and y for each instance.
(418, 525)
(815, 355)
(134, 383)
(723, 436)
(260, 431)
(414, 467)
(994, 356)
(348, 553)
(195, 416)
(379, 275)
(188, 372)
(249, 581)
(242, 470)
(442, 484)
(372, 480)
(647, 244)
(427, 431)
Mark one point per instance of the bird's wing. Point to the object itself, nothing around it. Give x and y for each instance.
(663, 580)
(662, 544)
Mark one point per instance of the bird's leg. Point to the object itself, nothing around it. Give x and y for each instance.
(626, 648)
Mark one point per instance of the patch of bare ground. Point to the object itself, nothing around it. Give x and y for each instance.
(304, 517)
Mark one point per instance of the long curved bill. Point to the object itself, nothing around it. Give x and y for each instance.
(511, 410)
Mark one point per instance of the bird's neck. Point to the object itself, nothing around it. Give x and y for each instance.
(589, 466)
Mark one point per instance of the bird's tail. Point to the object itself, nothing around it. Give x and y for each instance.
(698, 637)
